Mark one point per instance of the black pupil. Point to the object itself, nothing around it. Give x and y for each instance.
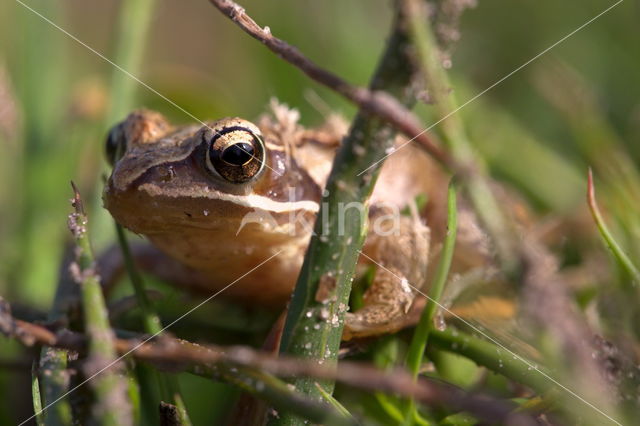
(238, 153)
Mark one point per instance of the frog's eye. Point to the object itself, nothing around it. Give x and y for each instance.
(115, 144)
(236, 153)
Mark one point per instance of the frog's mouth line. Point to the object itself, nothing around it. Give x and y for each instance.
(252, 201)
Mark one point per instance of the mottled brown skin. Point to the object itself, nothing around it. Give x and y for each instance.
(161, 188)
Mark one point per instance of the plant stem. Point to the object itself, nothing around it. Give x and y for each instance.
(455, 137)
(169, 389)
(420, 338)
(133, 26)
(35, 393)
(53, 371)
(279, 394)
(609, 240)
(55, 384)
(494, 358)
(111, 404)
(134, 19)
(339, 232)
(425, 325)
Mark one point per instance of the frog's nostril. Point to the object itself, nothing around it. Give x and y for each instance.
(238, 154)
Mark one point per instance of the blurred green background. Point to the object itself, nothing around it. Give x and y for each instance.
(575, 106)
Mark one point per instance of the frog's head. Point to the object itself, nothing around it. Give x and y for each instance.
(208, 178)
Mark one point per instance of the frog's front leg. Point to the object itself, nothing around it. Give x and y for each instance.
(399, 247)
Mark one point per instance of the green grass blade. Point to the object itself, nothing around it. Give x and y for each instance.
(169, 389)
(608, 238)
(111, 406)
(339, 232)
(35, 393)
(420, 338)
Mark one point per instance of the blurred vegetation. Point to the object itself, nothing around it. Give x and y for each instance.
(538, 131)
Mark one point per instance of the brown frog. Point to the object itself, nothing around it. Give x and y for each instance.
(218, 199)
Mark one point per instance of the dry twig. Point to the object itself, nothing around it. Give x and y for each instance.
(378, 103)
(181, 355)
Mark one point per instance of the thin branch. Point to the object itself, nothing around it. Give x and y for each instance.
(184, 355)
(376, 102)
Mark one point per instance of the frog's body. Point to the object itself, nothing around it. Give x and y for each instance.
(220, 224)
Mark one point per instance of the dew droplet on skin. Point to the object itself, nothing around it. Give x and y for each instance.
(440, 324)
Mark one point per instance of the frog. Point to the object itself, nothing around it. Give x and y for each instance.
(216, 200)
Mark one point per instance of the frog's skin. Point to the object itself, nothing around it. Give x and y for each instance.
(165, 187)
